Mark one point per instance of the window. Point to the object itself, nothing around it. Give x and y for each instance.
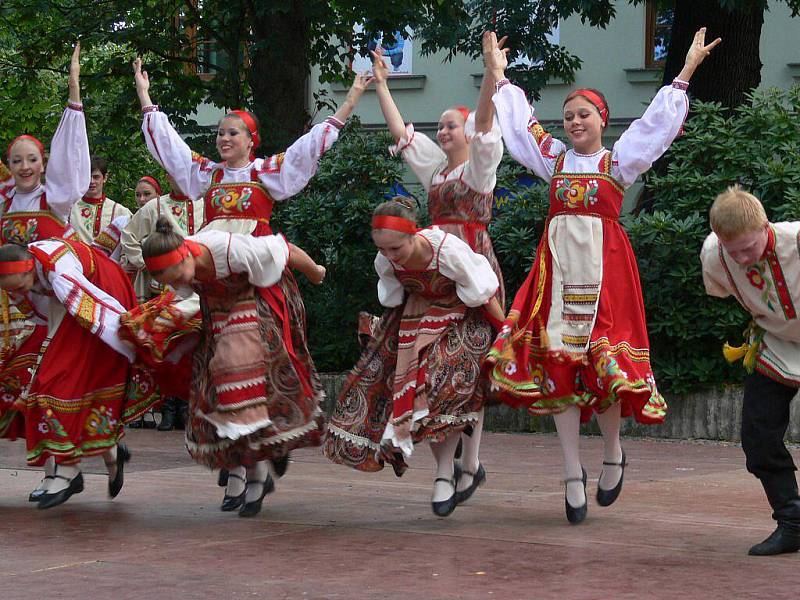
(658, 26)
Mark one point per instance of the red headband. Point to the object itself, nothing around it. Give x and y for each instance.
(250, 122)
(152, 181)
(464, 112)
(400, 224)
(13, 267)
(161, 262)
(39, 145)
(164, 261)
(595, 99)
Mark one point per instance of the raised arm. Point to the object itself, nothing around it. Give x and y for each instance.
(650, 136)
(360, 84)
(394, 120)
(484, 113)
(69, 168)
(525, 138)
(192, 173)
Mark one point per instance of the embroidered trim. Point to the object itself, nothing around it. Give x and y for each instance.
(150, 109)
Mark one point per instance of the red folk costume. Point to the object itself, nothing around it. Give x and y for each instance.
(78, 397)
(459, 200)
(240, 200)
(419, 377)
(27, 217)
(576, 332)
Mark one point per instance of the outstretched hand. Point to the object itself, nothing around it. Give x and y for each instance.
(140, 77)
(495, 56)
(360, 84)
(75, 65)
(380, 72)
(699, 50)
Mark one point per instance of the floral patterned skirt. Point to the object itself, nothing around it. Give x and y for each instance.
(603, 354)
(454, 386)
(271, 361)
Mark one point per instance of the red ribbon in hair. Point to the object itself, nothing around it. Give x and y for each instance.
(13, 267)
(400, 224)
(39, 145)
(595, 99)
(152, 181)
(250, 122)
(464, 112)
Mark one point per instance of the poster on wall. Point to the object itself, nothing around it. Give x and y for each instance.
(397, 46)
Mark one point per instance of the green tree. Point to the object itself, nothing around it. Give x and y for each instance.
(263, 51)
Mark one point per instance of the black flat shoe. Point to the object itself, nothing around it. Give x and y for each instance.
(115, 485)
(231, 503)
(222, 478)
(478, 479)
(445, 507)
(785, 539)
(75, 487)
(251, 509)
(607, 497)
(576, 515)
(281, 465)
(37, 494)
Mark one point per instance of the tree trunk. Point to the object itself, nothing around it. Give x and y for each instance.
(734, 67)
(278, 76)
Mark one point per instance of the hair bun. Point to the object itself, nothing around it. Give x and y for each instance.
(163, 225)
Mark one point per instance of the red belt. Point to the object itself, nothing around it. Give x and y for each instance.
(470, 228)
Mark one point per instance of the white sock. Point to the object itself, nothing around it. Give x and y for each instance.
(49, 470)
(68, 471)
(236, 481)
(609, 423)
(470, 445)
(444, 453)
(568, 425)
(258, 473)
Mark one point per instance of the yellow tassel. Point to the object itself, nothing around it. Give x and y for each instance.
(732, 354)
(750, 358)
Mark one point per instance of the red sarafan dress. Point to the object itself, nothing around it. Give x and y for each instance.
(28, 217)
(240, 200)
(76, 402)
(576, 333)
(420, 375)
(459, 200)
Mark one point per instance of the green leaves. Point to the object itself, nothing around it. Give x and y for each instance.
(758, 146)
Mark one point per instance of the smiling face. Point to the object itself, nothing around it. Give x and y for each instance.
(748, 248)
(17, 283)
(26, 165)
(583, 124)
(450, 135)
(97, 184)
(394, 245)
(233, 141)
(144, 193)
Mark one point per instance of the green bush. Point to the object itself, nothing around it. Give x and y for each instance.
(757, 146)
(330, 220)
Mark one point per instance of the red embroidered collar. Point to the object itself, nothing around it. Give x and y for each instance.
(99, 200)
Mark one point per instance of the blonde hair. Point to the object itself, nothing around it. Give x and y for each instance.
(736, 212)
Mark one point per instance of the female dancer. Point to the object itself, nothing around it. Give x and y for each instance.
(75, 401)
(575, 341)
(239, 418)
(30, 211)
(459, 175)
(419, 377)
(239, 194)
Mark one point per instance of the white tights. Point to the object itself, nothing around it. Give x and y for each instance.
(470, 445)
(444, 453)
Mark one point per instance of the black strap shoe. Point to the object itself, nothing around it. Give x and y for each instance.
(607, 497)
(478, 479)
(75, 487)
(280, 465)
(115, 484)
(445, 507)
(231, 503)
(576, 515)
(251, 509)
(37, 494)
(785, 539)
